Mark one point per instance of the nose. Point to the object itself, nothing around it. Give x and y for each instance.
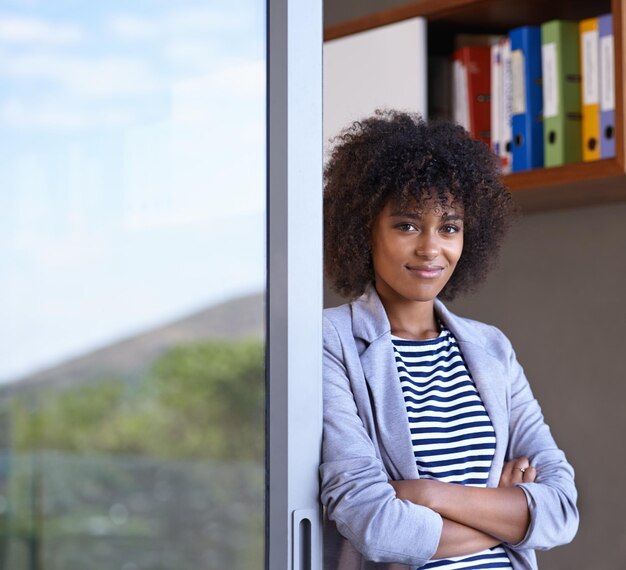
(427, 247)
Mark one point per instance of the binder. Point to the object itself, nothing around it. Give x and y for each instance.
(474, 62)
(501, 103)
(460, 99)
(607, 87)
(497, 93)
(560, 61)
(527, 100)
(590, 70)
(506, 108)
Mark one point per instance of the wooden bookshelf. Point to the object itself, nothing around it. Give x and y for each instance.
(572, 185)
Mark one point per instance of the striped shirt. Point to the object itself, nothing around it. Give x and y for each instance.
(452, 436)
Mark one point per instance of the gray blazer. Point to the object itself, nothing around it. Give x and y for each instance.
(367, 441)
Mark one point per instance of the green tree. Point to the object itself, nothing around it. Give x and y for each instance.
(201, 400)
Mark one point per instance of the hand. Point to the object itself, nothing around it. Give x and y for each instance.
(516, 471)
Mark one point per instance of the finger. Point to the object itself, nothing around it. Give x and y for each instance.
(529, 475)
(513, 466)
(505, 480)
(522, 463)
(511, 473)
(507, 474)
(517, 467)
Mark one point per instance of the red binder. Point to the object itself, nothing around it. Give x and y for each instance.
(477, 63)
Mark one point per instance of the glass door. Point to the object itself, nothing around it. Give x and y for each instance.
(132, 285)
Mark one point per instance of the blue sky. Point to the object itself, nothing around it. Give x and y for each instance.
(132, 168)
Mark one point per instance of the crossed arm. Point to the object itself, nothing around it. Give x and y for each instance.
(475, 518)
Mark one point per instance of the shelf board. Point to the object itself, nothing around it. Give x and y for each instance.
(473, 15)
(572, 185)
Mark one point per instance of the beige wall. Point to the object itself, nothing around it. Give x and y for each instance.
(559, 293)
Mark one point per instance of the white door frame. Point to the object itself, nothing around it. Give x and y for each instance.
(294, 242)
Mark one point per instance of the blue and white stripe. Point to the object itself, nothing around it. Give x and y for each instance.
(452, 436)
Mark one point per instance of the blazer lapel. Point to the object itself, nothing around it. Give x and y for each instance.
(389, 410)
(371, 326)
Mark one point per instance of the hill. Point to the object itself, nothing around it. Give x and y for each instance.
(239, 318)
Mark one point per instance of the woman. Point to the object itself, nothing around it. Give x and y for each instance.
(435, 452)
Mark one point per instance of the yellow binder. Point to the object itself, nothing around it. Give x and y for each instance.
(590, 88)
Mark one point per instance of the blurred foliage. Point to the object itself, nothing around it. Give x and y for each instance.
(179, 452)
(76, 512)
(198, 401)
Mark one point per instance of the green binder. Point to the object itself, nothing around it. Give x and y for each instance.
(560, 58)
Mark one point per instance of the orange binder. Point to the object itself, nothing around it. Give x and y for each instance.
(590, 88)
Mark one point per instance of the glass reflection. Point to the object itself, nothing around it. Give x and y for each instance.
(132, 274)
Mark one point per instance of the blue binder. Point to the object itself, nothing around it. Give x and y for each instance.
(527, 108)
(607, 88)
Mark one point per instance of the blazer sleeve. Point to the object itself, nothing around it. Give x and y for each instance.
(552, 497)
(354, 484)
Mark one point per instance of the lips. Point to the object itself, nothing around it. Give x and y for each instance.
(425, 271)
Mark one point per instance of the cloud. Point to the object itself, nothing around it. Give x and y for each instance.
(185, 24)
(22, 30)
(196, 54)
(246, 78)
(61, 115)
(130, 27)
(203, 20)
(84, 76)
(239, 84)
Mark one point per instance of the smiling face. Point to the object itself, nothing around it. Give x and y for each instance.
(415, 250)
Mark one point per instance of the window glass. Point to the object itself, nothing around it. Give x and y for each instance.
(132, 280)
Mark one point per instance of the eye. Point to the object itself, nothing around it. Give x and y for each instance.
(451, 228)
(406, 227)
